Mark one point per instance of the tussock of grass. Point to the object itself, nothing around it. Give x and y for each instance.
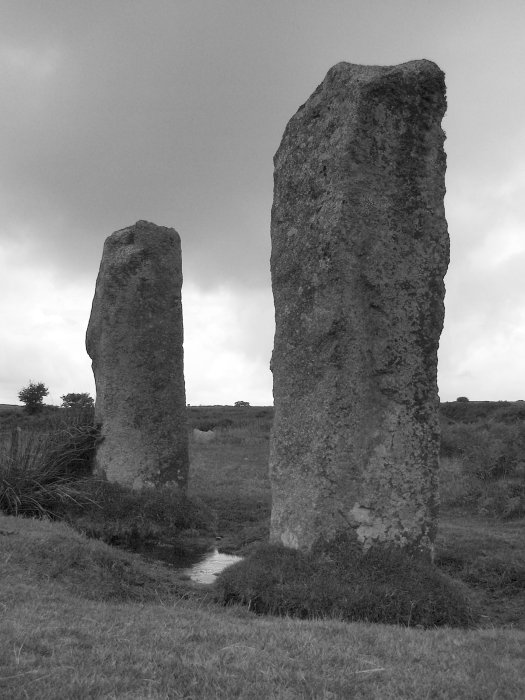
(382, 585)
(39, 473)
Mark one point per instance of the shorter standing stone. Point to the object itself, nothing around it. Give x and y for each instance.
(135, 340)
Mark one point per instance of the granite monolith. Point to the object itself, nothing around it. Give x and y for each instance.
(360, 248)
(135, 341)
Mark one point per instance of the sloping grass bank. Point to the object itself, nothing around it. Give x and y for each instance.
(136, 631)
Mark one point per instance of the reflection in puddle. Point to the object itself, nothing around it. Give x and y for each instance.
(200, 566)
(213, 563)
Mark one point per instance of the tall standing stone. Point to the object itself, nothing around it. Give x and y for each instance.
(135, 338)
(359, 251)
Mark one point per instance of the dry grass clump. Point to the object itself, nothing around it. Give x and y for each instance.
(383, 585)
(41, 473)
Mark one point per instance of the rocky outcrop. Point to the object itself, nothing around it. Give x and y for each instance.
(134, 339)
(359, 251)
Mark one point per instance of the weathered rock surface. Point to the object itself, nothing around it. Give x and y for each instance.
(135, 338)
(359, 251)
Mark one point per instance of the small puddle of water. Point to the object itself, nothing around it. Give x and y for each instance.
(213, 563)
(201, 567)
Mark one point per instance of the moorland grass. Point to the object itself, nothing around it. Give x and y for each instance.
(230, 475)
(488, 556)
(81, 619)
(229, 498)
(104, 623)
(483, 458)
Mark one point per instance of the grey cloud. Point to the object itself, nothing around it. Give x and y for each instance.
(171, 111)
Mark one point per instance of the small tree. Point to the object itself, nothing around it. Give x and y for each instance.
(241, 403)
(33, 396)
(462, 399)
(79, 401)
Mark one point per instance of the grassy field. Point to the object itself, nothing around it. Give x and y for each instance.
(81, 619)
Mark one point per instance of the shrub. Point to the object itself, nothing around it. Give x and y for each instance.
(384, 585)
(462, 399)
(33, 396)
(77, 401)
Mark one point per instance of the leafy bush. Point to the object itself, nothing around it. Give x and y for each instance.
(384, 585)
(77, 401)
(33, 396)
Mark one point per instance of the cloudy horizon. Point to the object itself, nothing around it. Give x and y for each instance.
(171, 111)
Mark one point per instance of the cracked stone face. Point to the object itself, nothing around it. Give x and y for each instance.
(135, 340)
(359, 251)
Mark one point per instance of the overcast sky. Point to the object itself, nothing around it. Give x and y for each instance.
(171, 111)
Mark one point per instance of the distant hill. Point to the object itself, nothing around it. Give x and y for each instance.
(10, 407)
(472, 411)
(209, 417)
